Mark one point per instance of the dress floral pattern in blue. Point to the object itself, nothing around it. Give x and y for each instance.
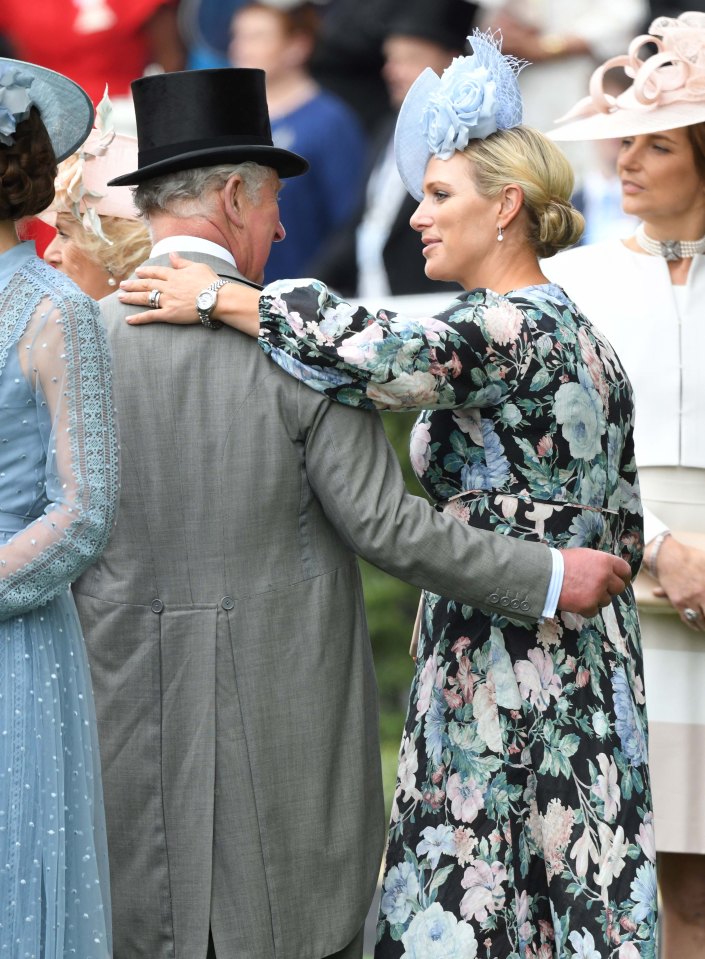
(521, 824)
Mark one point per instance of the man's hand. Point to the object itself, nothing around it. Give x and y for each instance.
(590, 580)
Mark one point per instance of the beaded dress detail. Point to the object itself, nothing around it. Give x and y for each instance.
(58, 494)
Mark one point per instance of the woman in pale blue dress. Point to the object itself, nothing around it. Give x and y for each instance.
(58, 492)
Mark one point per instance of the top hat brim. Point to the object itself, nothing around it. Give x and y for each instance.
(286, 163)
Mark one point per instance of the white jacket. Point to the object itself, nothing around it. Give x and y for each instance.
(658, 331)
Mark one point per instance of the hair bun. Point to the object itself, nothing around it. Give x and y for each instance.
(27, 170)
(560, 226)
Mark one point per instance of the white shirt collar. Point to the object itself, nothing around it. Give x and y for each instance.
(191, 244)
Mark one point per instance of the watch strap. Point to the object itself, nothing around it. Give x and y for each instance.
(205, 315)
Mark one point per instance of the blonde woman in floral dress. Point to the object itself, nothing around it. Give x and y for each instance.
(521, 822)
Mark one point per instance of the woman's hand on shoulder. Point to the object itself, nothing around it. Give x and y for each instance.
(177, 286)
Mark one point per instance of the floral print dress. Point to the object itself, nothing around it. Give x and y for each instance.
(521, 824)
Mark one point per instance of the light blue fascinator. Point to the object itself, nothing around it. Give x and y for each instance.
(476, 96)
(65, 108)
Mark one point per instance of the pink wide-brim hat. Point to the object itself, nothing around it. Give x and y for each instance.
(667, 92)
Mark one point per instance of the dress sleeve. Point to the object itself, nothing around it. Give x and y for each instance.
(626, 498)
(64, 358)
(389, 361)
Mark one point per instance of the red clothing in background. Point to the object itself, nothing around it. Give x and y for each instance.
(93, 42)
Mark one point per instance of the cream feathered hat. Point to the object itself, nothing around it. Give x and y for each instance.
(82, 180)
(667, 92)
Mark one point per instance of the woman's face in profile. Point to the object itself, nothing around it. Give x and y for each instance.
(65, 255)
(660, 182)
(458, 226)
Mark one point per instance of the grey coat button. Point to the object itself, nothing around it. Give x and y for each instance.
(157, 606)
(227, 602)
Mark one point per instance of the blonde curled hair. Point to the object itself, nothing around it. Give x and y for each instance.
(128, 245)
(111, 234)
(529, 159)
(125, 242)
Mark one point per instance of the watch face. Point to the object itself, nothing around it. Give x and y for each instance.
(205, 300)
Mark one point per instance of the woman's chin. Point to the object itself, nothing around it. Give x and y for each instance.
(434, 271)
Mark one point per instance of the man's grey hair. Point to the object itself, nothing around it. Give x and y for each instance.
(189, 192)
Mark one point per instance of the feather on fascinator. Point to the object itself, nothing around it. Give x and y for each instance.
(668, 89)
(82, 181)
(476, 96)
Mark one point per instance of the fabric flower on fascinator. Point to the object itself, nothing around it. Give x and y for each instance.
(476, 96)
(15, 101)
(464, 104)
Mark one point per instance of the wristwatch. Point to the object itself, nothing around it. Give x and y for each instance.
(205, 304)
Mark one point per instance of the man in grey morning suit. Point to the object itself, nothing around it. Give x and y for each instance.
(225, 624)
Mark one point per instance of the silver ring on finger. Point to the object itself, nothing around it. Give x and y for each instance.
(154, 299)
(692, 615)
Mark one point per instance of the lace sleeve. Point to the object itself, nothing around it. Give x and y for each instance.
(64, 357)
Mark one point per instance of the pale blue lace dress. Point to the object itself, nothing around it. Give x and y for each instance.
(58, 492)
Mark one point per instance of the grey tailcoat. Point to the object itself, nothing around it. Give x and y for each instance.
(234, 682)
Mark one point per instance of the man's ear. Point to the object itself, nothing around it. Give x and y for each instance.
(233, 199)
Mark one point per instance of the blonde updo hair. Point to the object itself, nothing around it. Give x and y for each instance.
(526, 157)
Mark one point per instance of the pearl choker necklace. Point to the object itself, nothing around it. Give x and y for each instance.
(670, 249)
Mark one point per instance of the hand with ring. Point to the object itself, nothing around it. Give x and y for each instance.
(681, 577)
(166, 294)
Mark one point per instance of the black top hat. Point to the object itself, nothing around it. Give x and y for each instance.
(200, 118)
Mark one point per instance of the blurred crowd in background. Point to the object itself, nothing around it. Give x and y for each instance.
(337, 72)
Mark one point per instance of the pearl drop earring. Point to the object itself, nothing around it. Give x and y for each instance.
(500, 234)
(111, 279)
